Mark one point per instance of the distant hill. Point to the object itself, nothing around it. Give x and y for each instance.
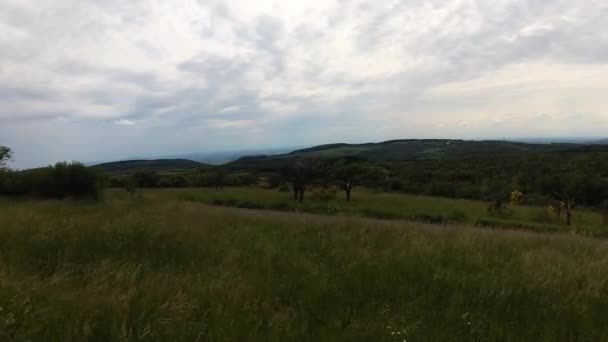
(156, 165)
(223, 157)
(602, 142)
(399, 150)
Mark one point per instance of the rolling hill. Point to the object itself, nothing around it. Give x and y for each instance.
(399, 150)
(156, 165)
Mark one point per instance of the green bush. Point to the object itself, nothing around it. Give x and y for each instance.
(60, 181)
(458, 216)
(324, 194)
(249, 205)
(145, 179)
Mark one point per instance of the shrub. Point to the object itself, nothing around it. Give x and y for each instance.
(324, 194)
(442, 188)
(59, 181)
(458, 216)
(396, 184)
(176, 181)
(280, 206)
(604, 208)
(145, 179)
(249, 205)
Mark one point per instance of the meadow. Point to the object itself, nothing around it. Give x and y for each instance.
(384, 205)
(164, 266)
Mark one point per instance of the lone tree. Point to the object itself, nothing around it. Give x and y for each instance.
(5, 155)
(567, 190)
(346, 174)
(299, 173)
(219, 178)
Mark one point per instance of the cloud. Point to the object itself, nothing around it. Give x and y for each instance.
(230, 109)
(124, 122)
(221, 124)
(282, 72)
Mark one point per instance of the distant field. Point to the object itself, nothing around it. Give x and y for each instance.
(388, 206)
(157, 268)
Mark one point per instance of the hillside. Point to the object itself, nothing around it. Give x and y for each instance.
(400, 150)
(157, 165)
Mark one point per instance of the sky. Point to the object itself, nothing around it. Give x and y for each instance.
(107, 79)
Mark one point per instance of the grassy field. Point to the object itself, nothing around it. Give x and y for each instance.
(157, 268)
(389, 206)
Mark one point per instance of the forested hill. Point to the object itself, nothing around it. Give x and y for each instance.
(400, 150)
(156, 165)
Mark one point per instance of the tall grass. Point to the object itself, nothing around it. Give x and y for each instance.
(154, 269)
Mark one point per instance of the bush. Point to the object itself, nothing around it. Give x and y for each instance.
(176, 181)
(324, 194)
(442, 189)
(396, 184)
(604, 209)
(458, 216)
(59, 181)
(280, 206)
(145, 179)
(249, 205)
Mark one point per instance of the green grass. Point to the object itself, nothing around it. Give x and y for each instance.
(158, 269)
(390, 206)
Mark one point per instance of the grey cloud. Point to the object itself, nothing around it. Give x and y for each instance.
(341, 68)
(10, 92)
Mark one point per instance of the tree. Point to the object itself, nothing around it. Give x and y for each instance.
(219, 179)
(604, 208)
(497, 195)
(299, 173)
(346, 174)
(145, 179)
(5, 155)
(567, 190)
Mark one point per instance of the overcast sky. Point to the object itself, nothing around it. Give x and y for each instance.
(107, 79)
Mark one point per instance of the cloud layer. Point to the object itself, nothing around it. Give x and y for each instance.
(104, 79)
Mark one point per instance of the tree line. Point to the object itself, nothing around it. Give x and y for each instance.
(62, 180)
(558, 180)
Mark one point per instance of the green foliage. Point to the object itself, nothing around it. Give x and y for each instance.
(145, 179)
(324, 193)
(394, 206)
(59, 181)
(5, 155)
(174, 181)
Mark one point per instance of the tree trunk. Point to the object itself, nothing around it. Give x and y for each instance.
(569, 205)
(348, 195)
(295, 194)
(301, 195)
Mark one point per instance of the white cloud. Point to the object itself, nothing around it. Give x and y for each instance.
(124, 122)
(221, 124)
(230, 109)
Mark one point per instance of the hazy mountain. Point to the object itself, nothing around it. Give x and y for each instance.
(156, 165)
(223, 157)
